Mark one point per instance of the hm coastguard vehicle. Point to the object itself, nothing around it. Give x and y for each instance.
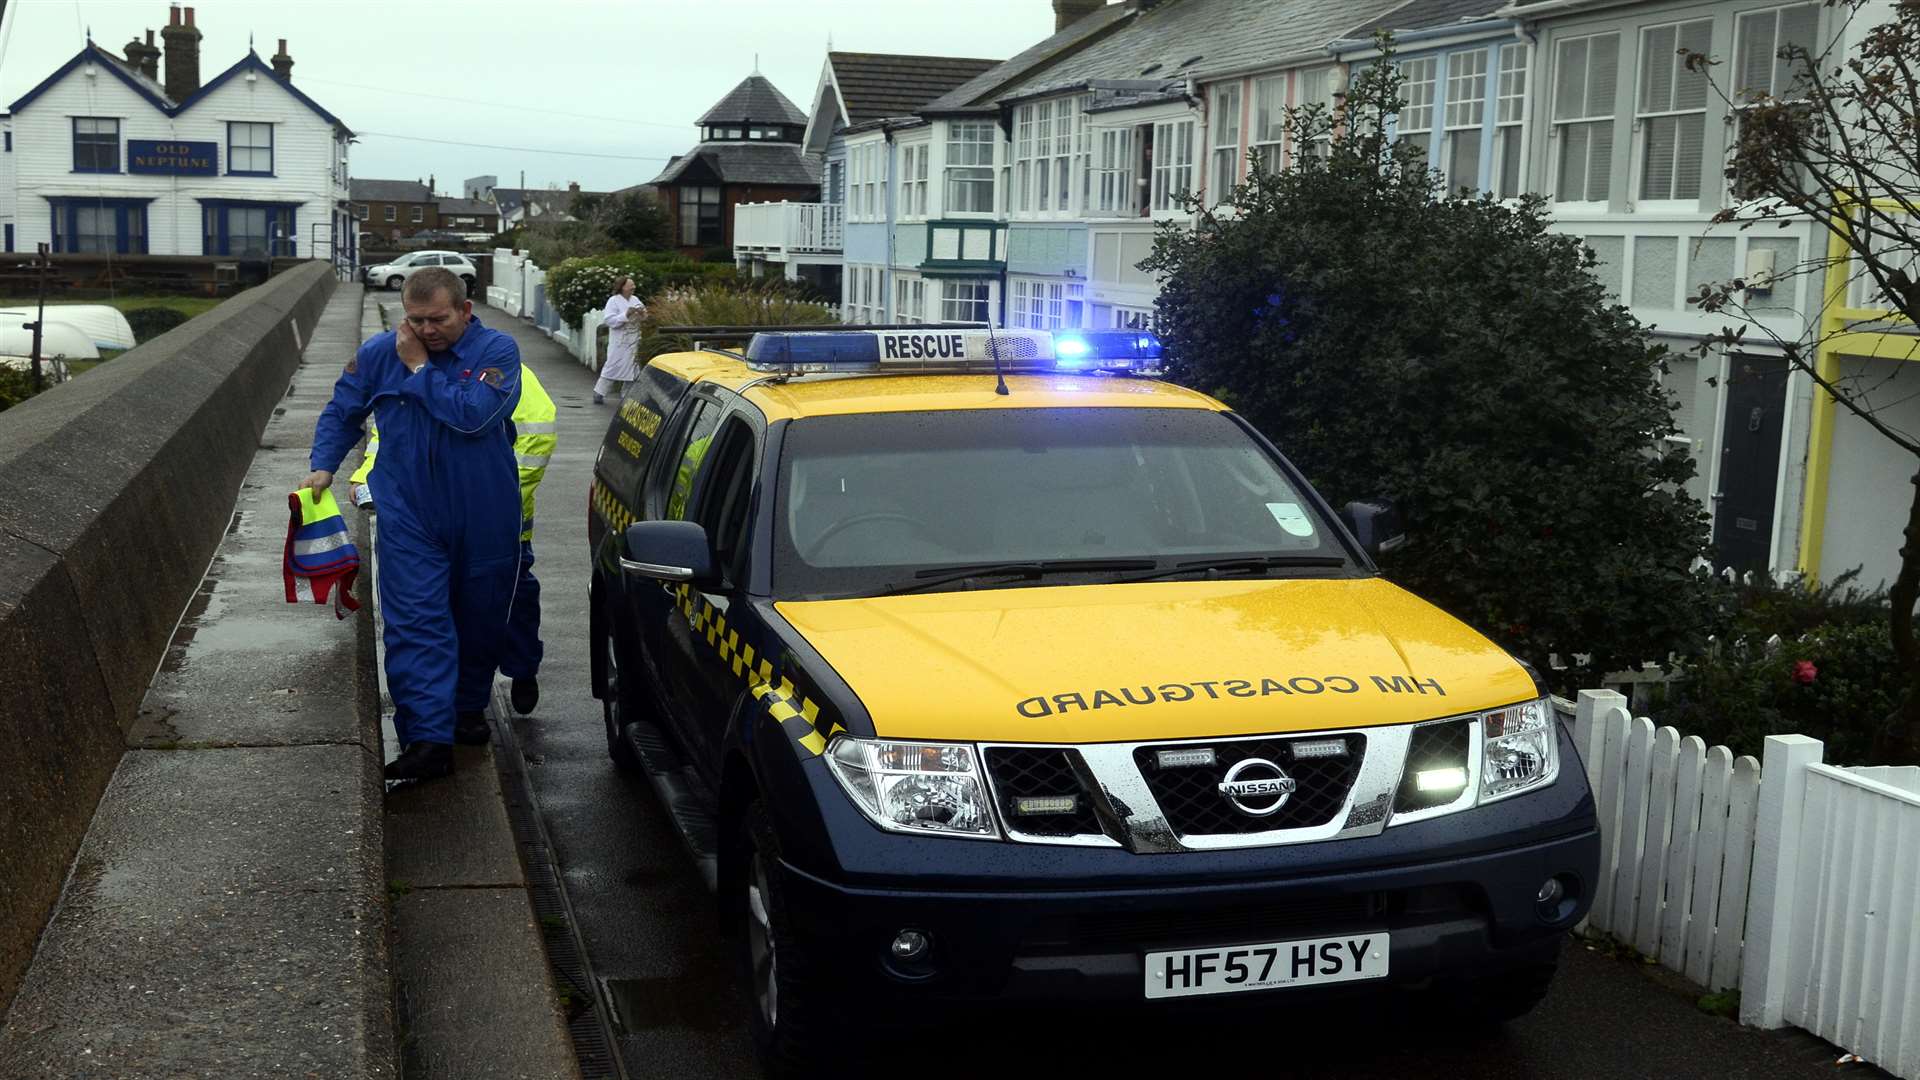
(980, 667)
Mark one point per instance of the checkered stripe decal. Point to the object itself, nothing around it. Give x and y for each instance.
(797, 714)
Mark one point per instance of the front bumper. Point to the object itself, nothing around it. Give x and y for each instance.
(1454, 919)
(1011, 922)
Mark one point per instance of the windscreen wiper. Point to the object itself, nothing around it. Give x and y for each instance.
(1029, 570)
(1239, 565)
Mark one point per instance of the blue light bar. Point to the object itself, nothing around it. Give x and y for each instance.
(971, 351)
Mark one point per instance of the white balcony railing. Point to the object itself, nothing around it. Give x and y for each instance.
(789, 228)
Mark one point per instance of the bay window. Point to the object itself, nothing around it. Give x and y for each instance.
(1113, 189)
(1672, 110)
(1585, 77)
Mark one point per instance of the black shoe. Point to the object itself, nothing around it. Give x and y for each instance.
(526, 695)
(421, 761)
(471, 729)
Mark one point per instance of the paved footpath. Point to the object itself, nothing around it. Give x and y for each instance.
(649, 928)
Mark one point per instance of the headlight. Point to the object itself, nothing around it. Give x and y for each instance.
(915, 787)
(1520, 749)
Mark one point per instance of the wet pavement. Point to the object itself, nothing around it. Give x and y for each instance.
(650, 933)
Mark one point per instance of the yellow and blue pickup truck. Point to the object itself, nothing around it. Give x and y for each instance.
(982, 667)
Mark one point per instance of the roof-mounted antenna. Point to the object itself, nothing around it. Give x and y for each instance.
(1000, 377)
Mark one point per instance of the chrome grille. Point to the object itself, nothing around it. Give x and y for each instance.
(1190, 797)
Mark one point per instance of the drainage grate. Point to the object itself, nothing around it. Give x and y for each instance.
(587, 1020)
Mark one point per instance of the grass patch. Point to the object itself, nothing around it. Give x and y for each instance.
(1726, 1003)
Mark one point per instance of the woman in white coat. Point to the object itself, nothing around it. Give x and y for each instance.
(622, 316)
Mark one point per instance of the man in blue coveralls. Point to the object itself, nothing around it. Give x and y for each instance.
(442, 389)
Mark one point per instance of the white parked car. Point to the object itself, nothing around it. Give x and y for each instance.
(394, 274)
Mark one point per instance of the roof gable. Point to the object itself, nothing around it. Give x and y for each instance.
(105, 59)
(755, 100)
(877, 85)
(252, 62)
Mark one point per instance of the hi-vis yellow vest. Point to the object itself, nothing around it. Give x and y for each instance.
(536, 433)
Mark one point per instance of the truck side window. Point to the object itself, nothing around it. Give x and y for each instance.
(725, 498)
(672, 481)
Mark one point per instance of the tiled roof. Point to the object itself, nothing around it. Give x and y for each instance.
(549, 199)
(878, 85)
(757, 101)
(1424, 14)
(389, 191)
(748, 163)
(466, 206)
(979, 90)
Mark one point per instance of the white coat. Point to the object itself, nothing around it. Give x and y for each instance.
(622, 316)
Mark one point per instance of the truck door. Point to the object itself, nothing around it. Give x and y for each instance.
(701, 647)
(656, 605)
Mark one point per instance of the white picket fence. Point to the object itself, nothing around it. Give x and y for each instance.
(1676, 835)
(1798, 883)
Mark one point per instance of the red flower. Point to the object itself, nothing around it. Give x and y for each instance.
(1803, 672)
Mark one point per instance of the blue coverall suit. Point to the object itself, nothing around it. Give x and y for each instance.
(449, 497)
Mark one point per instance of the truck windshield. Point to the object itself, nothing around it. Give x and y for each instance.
(891, 502)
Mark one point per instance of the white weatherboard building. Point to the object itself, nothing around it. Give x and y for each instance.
(102, 157)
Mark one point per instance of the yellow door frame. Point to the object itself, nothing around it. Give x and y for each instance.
(1834, 342)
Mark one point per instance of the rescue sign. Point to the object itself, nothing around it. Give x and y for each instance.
(1034, 708)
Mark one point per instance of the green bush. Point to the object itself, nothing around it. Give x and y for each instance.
(16, 386)
(577, 286)
(1831, 674)
(724, 305)
(1459, 357)
(150, 322)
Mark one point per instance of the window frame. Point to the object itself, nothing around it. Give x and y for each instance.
(973, 173)
(251, 148)
(950, 305)
(96, 144)
(216, 233)
(1226, 118)
(1519, 123)
(1115, 194)
(1607, 118)
(695, 195)
(1175, 136)
(1730, 191)
(1460, 89)
(1643, 130)
(1305, 78)
(915, 163)
(1267, 134)
(1408, 106)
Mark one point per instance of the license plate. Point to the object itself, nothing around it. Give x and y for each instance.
(1311, 962)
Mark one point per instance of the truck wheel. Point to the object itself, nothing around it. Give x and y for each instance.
(782, 977)
(617, 705)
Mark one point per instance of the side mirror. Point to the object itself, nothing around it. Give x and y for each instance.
(1376, 524)
(669, 551)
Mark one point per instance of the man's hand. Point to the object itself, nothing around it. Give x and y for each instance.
(413, 351)
(319, 480)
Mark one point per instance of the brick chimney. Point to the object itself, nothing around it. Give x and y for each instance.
(573, 186)
(145, 58)
(1068, 12)
(282, 63)
(183, 53)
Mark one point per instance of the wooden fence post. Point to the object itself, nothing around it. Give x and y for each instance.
(1765, 972)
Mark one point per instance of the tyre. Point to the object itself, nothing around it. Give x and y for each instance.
(395, 282)
(617, 704)
(468, 281)
(789, 1016)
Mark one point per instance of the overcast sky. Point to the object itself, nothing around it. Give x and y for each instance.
(622, 78)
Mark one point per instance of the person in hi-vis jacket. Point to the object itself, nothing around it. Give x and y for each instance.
(622, 316)
(442, 388)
